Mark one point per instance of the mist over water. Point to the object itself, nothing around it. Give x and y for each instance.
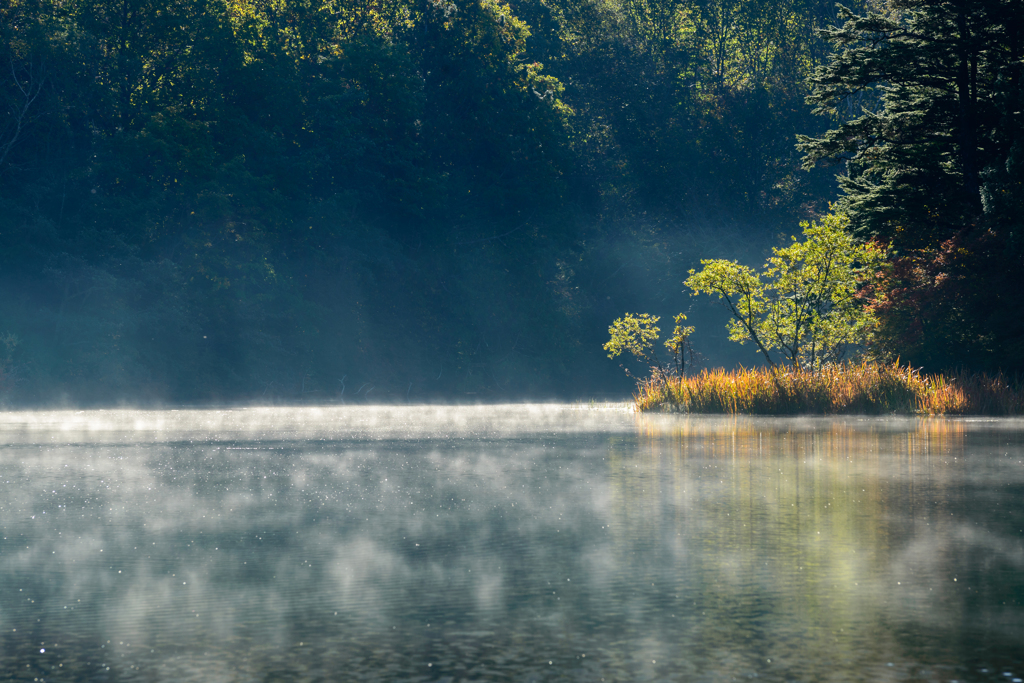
(526, 542)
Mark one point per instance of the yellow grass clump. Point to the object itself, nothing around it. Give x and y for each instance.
(864, 389)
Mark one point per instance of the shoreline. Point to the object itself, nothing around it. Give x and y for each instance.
(861, 389)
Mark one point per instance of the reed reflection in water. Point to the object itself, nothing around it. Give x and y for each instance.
(508, 543)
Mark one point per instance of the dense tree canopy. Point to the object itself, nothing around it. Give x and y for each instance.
(942, 80)
(223, 199)
(928, 100)
(279, 198)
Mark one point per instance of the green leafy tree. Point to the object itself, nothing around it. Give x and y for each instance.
(679, 344)
(805, 302)
(637, 334)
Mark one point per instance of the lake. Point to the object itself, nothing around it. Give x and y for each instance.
(508, 543)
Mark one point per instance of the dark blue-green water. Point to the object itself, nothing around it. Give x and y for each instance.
(508, 543)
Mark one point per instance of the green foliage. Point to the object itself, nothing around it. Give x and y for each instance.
(804, 303)
(261, 197)
(699, 100)
(635, 334)
(924, 98)
(679, 345)
(231, 198)
(926, 108)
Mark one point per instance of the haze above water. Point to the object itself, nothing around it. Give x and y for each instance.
(508, 543)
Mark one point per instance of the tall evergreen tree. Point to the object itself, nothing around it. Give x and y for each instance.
(927, 98)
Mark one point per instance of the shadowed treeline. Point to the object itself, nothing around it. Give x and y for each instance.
(327, 200)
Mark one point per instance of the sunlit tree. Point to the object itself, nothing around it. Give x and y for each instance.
(805, 303)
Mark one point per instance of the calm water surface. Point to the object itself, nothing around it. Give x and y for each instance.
(508, 543)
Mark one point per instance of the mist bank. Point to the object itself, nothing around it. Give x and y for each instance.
(376, 540)
(380, 326)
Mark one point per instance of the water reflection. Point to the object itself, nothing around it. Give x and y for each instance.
(496, 543)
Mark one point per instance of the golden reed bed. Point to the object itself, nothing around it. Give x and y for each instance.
(868, 388)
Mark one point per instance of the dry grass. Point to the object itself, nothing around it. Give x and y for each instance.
(865, 389)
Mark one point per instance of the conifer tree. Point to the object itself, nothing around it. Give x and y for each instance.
(944, 77)
(927, 99)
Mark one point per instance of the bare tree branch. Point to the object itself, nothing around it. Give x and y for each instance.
(28, 87)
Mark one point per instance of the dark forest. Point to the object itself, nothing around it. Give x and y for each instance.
(391, 200)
